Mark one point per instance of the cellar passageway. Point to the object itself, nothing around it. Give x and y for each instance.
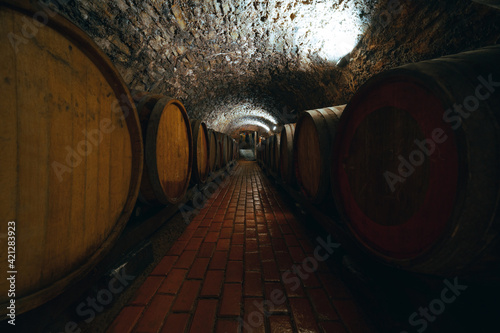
(286, 120)
(244, 261)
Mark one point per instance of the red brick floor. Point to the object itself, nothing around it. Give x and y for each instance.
(230, 271)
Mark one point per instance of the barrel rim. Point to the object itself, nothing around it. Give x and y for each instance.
(90, 49)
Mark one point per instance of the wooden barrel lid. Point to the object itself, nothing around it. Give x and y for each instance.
(379, 131)
(71, 154)
(313, 139)
(168, 150)
(411, 181)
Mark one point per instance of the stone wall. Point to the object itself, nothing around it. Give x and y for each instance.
(234, 62)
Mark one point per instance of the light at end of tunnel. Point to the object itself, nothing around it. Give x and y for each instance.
(274, 128)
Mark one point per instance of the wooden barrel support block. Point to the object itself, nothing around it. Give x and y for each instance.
(71, 154)
(417, 179)
(313, 139)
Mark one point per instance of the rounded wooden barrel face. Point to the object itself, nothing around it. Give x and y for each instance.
(202, 153)
(396, 166)
(391, 133)
(173, 148)
(308, 157)
(71, 160)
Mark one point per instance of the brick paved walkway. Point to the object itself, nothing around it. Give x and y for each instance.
(231, 267)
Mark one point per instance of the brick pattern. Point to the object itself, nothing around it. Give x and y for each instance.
(233, 268)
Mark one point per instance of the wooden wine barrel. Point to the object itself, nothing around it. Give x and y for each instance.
(286, 154)
(314, 134)
(212, 150)
(229, 149)
(269, 148)
(168, 150)
(416, 170)
(200, 152)
(275, 153)
(71, 155)
(220, 150)
(226, 148)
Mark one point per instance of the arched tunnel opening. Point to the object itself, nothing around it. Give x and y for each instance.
(351, 179)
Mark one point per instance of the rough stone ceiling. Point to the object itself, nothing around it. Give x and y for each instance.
(236, 64)
(252, 34)
(295, 33)
(221, 57)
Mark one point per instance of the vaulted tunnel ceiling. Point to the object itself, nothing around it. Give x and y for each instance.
(256, 64)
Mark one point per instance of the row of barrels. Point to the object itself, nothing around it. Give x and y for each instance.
(178, 152)
(411, 164)
(77, 148)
